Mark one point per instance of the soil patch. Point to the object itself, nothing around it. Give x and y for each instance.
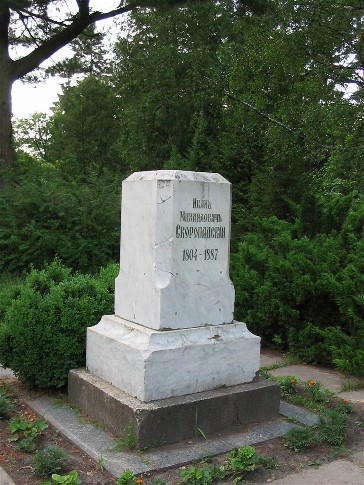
(20, 465)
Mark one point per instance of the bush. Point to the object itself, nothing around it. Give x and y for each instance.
(47, 214)
(306, 293)
(43, 334)
(50, 460)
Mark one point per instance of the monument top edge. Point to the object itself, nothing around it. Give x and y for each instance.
(180, 175)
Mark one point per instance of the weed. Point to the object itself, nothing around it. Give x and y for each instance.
(128, 478)
(351, 385)
(6, 406)
(198, 430)
(101, 463)
(50, 460)
(332, 427)
(128, 440)
(243, 459)
(267, 462)
(26, 432)
(240, 461)
(71, 479)
(157, 481)
(197, 476)
(298, 439)
(315, 464)
(264, 372)
(288, 385)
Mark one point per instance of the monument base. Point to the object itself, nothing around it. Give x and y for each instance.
(150, 364)
(172, 420)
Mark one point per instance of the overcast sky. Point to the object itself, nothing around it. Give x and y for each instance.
(31, 98)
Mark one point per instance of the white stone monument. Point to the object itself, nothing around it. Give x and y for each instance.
(173, 331)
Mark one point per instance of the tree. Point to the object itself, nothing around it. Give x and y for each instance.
(84, 129)
(42, 27)
(170, 80)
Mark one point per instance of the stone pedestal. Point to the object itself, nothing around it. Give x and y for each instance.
(172, 351)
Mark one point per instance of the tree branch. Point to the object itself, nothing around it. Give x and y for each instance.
(265, 115)
(23, 66)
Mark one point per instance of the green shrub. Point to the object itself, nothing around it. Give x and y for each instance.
(47, 214)
(6, 406)
(306, 294)
(43, 334)
(50, 460)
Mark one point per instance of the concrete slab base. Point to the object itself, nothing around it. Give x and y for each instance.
(174, 419)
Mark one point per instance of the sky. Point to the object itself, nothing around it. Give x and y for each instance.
(32, 98)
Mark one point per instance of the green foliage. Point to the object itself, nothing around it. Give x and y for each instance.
(25, 432)
(128, 439)
(50, 460)
(127, 478)
(6, 405)
(288, 385)
(85, 129)
(43, 334)
(196, 476)
(297, 439)
(331, 429)
(157, 481)
(239, 462)
(243, 459)
(305, 291)
(48, 213)
(71, 478)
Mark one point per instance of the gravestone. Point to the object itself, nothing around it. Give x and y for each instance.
(172, 345)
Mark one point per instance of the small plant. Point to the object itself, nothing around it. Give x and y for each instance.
(6, 406)
(345, 407)
(101, 462)
(26, 432)
(288, 385)
(332, 427)
(297, 439)
(316, 393)
(157, 481)
(50, 460)
(128, 478)
(243, 459)
(128, 440)
(197, 476)
(71, 479)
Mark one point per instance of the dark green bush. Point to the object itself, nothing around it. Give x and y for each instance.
(43, 334)
(50, 460)
(45, 213)
(306, 293)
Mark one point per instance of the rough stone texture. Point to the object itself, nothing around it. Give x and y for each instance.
(174, 250)
(150, 364)
(172, 420)
(356, 396)
(4, 478)
(339, 472)
(298, 414)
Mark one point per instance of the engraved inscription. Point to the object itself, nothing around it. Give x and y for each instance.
(193, 230)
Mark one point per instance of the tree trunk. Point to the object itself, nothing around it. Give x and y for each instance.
(6, 153)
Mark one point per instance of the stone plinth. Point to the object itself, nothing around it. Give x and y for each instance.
(150, 364)
(171, 420)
